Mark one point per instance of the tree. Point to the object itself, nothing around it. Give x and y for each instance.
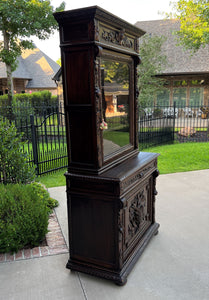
(20, 19)
(59, 61)
(152, 63)
(194, 19)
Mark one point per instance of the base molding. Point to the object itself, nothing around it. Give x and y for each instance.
(119, 277)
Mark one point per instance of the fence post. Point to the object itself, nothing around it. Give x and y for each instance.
(45, 128)
(34, 143)
(174, 118)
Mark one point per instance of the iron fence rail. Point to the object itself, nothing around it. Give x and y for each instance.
(163, 124)
(43, 129)
(45, 133)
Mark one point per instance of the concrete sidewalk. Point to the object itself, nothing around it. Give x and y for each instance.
(174, 266)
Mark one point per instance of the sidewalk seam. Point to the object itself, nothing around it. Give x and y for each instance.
(82, 287)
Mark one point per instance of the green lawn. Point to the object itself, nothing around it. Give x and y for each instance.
(120, 138)
(173, 158)
(182, 157)
(56, 178)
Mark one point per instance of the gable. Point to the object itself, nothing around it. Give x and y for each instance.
(35, 66)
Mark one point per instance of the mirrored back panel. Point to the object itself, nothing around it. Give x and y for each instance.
(116, 103)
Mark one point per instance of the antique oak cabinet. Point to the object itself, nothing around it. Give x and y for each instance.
(110, 185)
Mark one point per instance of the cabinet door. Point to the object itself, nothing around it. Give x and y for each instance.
(137, 216)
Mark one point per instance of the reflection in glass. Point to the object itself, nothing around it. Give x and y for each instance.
(115, 105)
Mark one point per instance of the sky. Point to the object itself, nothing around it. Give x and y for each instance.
(130, 10)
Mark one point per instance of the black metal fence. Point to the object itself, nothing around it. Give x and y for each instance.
(43, 129)
(45, 133)
(164, 124)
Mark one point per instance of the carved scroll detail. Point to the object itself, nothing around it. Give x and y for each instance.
(117, 37)
(120, 235)
(137, 213)
(96, 30)
(137, 176)
(98, 106)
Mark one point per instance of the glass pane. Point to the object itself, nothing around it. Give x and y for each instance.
(179, 96)
(163, 97)
(196, 96)
(115, 105)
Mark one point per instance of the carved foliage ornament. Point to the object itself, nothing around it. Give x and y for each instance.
(137, 213)
(117, 37)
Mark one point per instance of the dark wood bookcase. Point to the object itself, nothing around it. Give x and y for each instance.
(110, 185)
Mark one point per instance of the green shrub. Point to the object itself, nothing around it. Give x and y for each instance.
(24, 216)
(21, 111)
(44, 195)
(40, 103)
(35, 98)
(5, 111)
(22, 97)
(14, 167)
(54, 101)
(3, 99)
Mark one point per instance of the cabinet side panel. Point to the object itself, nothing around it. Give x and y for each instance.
(93, 231)
(77, 71)
(81, 137)
(75, 32)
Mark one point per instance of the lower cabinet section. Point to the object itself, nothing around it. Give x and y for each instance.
(109, 228)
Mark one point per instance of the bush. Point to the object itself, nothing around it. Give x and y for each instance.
(24, 212)
(36, 99)
(42, 100)
(21, 111)
(14, 167)
(5, 110)
(44, 195)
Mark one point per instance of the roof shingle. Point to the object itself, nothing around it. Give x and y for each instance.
(35, 66)
(180, 61)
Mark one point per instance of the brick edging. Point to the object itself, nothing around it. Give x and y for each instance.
(55, 244)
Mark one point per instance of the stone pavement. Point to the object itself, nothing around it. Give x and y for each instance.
(174, 266)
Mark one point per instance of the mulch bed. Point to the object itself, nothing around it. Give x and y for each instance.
(199, 136)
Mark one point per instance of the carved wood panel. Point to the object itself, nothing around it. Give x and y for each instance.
(137, 216)
(116, 37)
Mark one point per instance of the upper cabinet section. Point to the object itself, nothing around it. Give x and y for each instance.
(99, 55)
(97, 25)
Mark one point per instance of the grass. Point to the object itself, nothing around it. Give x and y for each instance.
(46, 147)
(173, 158)
(120, 138)
(182, 157)
(53, 179)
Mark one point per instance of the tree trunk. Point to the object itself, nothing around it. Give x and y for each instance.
(9, 84)
(9, 75)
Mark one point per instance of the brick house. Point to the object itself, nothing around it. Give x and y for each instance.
(34, 73)
(187, 76)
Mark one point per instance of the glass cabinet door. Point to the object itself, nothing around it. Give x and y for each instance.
(115, 81)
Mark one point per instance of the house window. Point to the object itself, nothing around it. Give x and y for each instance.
(180, 83)
(197, 82)
(163, 97)
(196, 96)
(179, 96)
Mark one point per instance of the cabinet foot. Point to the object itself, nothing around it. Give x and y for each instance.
(122, 282)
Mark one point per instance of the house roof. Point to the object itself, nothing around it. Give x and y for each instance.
(58, 75)
(35, 66)
(180, 61)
